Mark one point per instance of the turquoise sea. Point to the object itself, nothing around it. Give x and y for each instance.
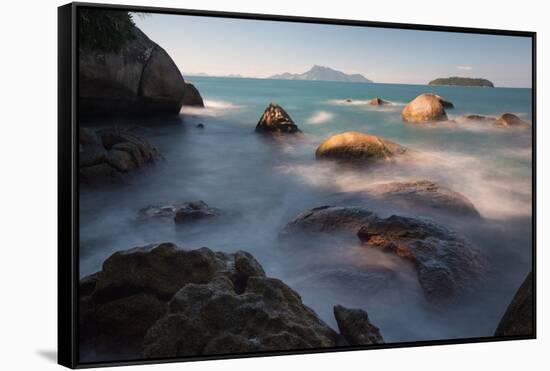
(262, 183)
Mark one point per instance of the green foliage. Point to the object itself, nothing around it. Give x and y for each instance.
(462, 81)
(105, 30)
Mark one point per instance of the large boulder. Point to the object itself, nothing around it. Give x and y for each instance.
(181, 213)
(511, 120)
(276, 120)
(445, 262)
(355, 326)
(108, 156)
(328, 219)
(425, 195)
(356, 147)
(138, 79)
(192, 96)
(518, 318)
(425, 107)
(163, 301)
(213, 319)
(123, 300)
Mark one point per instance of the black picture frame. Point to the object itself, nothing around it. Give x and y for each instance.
(68, 187)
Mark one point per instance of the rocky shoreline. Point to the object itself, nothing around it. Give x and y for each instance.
(161, 300)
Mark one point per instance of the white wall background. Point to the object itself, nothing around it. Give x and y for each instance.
(28, 155)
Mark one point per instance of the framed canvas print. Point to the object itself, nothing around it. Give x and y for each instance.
(237, 185)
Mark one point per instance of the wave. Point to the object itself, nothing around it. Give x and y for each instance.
(496, 193)
(212, 108)
(320, 117)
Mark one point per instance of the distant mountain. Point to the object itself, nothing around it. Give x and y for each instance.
(462, 81)
(321, 73)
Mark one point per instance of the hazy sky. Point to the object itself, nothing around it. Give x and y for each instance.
(252, 48)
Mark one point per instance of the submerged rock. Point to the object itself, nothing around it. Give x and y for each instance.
(192, 96)
(108, 156)
(138, 79)
(328, 219)
(378, 102)
(475, 118)
(275, 119)
(425, 107)
(445, 263)
(426, 195)
(181, 213)
(353, 146)
(163, 301)
(355, 326)
(518, 318)
(511, 120)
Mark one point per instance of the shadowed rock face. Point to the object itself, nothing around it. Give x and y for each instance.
(444, 262)
(139, 79)
(163, 301)
(109, 156)
(444, 102)
(355, 326)
(181, 213)
(192, 96)
(356, 147)
(212, 319)
(426, 195)
(510, 120)
(378, 102)
(518, 318)
(328, 219)
(276, 120)
(425, 107)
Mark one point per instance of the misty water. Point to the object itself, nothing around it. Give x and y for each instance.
(262, 183)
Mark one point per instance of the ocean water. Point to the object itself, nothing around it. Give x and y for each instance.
(262, 183)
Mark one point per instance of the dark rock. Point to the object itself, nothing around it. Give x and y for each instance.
(426, 195)
(357, 147)
(518, 318)
(108, 155)
(91, 155)
(100, 174)
(88, 137)
(355, 326)
(163, 301)
(87, 284)
(267, 316)
(425, 107)
(511, 120)
(444, 102)
(348, 100)
(445, 263)
(122, 301)
(328, 219)
(140, 78)
(181, 213)
(275, 119)
(192, 96)
(378, 102)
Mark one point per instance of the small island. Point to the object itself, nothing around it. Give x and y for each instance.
(462, 81)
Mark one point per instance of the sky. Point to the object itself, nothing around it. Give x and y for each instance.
(254, 48)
